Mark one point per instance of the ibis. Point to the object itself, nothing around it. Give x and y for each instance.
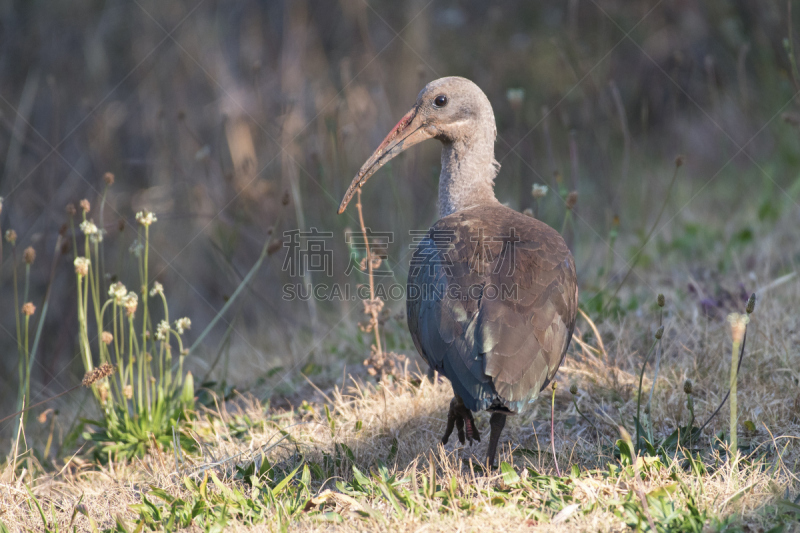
(492, 294)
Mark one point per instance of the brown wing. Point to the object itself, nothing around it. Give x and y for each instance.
(492, 299)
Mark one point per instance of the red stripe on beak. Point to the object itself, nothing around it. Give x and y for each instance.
(397, 130)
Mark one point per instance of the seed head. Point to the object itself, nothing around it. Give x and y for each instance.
(157, 289)
(661, 300)
(28, 309)
(29, 255)
(146, 218)
(539, 191)
(162, 330)
(82, 266)
(106, 337)
(118, 292)
(572, 199)
(555, 385)
(687, 386)
(95, 375)
(183, 324)
(660, 332)
(108, 177)
(738, 326)
(11, 236)
(85, 205)
(528, 212)
(679, 161)
(88, 227)
(751, 304)
(573, 389)
(42, 418)
(131, 302)
(127, 390)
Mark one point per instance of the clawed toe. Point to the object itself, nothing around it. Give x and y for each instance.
(461, 418)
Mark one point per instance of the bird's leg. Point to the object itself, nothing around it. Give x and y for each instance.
(431, 374)
(460, 417)
(496, 422)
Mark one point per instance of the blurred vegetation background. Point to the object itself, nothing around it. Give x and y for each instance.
(208, 113)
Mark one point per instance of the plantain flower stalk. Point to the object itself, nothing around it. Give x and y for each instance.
(738, 326)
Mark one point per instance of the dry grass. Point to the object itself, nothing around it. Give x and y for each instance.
(409, 415)
(356, 426)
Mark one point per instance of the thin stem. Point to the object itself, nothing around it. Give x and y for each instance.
(647, 238)
(719, 407)
(45, 303)
(575, 403)
(612, 239)
(373, 308)
(655, 379)
(27, 283)
(26, 409)
(16, 297)
(139, 357)
(552, 428)
(27, 366)
(567, 219)
(690, 405)
(734, 399)
(145, 282)
(639, 396)
(239, 289)
(102, 256)
(117, 360)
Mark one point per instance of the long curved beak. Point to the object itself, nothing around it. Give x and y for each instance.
(409, 131)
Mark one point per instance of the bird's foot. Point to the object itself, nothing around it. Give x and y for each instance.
(461, 417)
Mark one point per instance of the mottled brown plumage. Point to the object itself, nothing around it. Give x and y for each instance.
(496, 304)
(492, 294)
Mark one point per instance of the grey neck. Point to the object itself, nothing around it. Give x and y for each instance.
(468, 172)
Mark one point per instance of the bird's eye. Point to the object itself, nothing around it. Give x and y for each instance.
(440, 101)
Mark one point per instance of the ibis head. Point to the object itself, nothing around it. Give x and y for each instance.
(456, 112)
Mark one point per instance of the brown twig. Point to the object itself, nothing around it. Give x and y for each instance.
(372, 309)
